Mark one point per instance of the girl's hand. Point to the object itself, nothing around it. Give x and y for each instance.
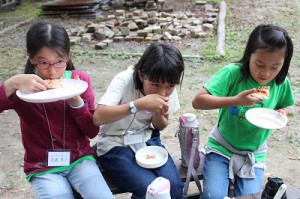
(153, 103)
(75, 101)
(246, 99)
(159, 106)
(283, 111)
(26, 83)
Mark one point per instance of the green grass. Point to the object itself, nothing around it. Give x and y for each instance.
(12, 62)
(235, 41)
(217, 1)
(24, 11)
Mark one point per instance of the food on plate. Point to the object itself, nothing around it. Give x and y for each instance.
(55, 83)
(263, 92)
(148, 156)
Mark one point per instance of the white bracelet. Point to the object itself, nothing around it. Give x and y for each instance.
(80, 106)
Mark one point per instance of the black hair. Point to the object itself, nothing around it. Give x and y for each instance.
(44, 34)
(271, 38)
(160, 62)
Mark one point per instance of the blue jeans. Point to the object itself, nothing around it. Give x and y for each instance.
(216, 181)
(121, 165)
(85, 177)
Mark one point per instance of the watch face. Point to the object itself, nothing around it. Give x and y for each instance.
(133, 108)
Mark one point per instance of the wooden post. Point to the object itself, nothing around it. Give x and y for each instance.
(221, 29)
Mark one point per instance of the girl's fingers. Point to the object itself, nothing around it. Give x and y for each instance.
(165, 111)
(77, 77)
(40, 83)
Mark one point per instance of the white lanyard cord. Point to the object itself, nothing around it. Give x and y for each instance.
(126, 131)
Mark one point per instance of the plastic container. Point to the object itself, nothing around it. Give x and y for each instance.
(189, 130)
(159, 189)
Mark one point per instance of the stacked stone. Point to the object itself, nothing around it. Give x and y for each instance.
(147, 5)
(140, 25)
(106, 5)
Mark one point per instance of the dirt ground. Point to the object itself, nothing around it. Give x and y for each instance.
(284, 144)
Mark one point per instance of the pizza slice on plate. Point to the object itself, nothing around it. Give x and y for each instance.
(55, 83)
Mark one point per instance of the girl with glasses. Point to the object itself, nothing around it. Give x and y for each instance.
(59, 130)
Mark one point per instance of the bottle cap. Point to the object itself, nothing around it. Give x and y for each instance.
(189, 117)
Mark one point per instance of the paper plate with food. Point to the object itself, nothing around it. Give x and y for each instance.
(61, 89)
(266, 118)
(151, 157)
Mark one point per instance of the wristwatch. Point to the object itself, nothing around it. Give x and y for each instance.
(133, 108)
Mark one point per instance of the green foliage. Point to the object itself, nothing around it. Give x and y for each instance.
(24, 11)
(122, 56)
(38, 12)
(192, 59)
(81, 53)
(98, 19)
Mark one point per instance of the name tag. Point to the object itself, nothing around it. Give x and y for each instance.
(59, 158)
(135, 138)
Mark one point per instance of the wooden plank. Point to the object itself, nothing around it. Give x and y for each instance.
(70, 12)
(181, 170)
(53, 8)
(70, 3)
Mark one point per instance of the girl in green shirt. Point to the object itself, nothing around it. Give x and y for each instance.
(236, 149)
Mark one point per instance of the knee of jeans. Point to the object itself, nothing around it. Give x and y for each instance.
(100, 194)
(213, 195)
(214, 192)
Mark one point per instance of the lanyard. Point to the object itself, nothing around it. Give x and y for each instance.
(64, 126)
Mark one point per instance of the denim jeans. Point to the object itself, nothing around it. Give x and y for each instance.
(216, 181)
(121, 165)
(85, 177)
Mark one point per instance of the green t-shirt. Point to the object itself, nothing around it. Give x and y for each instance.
(232, 124)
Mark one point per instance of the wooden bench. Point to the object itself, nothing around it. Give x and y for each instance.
(181, 170)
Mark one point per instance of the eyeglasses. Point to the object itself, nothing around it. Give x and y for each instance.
(45, 65)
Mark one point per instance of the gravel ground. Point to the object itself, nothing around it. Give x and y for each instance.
(284, 144)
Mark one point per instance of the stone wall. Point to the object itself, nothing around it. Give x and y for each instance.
(141, 25)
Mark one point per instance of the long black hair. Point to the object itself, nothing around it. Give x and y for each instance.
(44, 34)
(271, 38)
(160, 62)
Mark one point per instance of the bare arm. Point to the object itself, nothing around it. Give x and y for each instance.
(205, 101)
(108, 114)
(160, 120)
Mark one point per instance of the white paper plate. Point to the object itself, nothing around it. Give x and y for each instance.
(71, 88)
(161, 157)
(266, 118)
